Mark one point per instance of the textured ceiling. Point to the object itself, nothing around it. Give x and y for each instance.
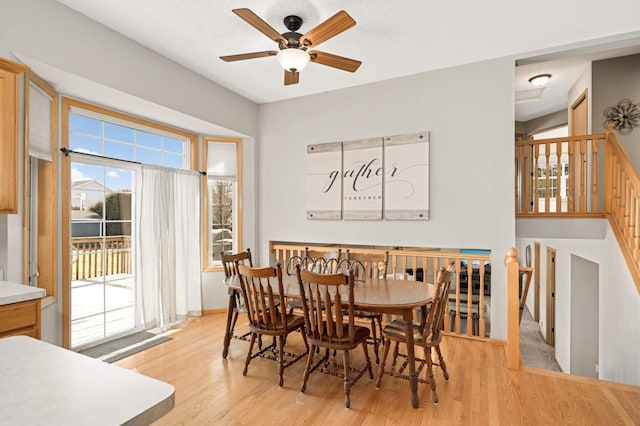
(391, 38)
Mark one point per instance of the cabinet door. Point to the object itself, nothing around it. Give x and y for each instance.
(8, 141)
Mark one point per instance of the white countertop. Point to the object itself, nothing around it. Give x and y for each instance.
(45, 384)
(14, 292)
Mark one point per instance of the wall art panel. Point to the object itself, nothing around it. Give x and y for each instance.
(406, 178)
(324, 181)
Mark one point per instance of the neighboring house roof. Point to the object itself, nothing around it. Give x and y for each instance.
(80, 184)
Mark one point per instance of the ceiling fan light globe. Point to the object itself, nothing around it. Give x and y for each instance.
(293, 59)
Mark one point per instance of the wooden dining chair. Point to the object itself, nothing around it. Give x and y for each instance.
(261, 288)
(229, 265)
(329, 313)
(368, 265)
(320, 261)
(427, 334)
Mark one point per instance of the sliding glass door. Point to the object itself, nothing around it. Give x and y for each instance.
(103, 289)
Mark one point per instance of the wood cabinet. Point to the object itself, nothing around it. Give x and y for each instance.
(20, 318)
(9, 134)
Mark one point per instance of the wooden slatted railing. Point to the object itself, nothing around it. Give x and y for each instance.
(95, 256)
(622, 202)
(470, 291)
(559, 176)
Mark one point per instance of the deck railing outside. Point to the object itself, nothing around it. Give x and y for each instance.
(470, 294)
(97, 256)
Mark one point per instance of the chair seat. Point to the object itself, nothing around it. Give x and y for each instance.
(362, 333)
(293, 322)
(396, 330)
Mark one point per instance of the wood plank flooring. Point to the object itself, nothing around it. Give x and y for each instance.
(481, 391)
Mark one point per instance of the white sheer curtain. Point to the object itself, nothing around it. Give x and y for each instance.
(168, 260)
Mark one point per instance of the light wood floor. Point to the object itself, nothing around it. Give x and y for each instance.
(211, 390)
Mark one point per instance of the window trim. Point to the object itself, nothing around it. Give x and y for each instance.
(205, 200)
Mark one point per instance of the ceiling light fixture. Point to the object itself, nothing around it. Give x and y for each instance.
(540, 80)
(293, 59)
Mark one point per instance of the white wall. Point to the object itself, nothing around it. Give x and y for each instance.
(619, 303)
(545, 122)
(469, 112)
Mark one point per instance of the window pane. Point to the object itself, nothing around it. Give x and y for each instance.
(118, 150)
(85, 144)
(118, 133)
(120, 320)
(88, 300)
(83, 228)
(176, 161)
(119, 293)
(81, 174)
(118, 179)
(148, 139)
(174, 145)
(85, 330)
(149, 156)
(85, 125)
(221, 208)
(93, 202)
(118, 206)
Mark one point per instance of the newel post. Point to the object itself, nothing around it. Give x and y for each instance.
(513, 309)
(610, 135)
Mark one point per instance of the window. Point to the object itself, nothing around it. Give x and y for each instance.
(92, 133)
(222, 229)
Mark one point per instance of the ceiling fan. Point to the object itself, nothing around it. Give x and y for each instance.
(294, 53)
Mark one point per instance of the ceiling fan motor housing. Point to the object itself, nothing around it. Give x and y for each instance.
(293, 22)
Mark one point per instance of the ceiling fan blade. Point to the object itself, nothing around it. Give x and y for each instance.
(291, 77)
(257, 22)
(333, 26)
(242, 56)
(334, 61)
